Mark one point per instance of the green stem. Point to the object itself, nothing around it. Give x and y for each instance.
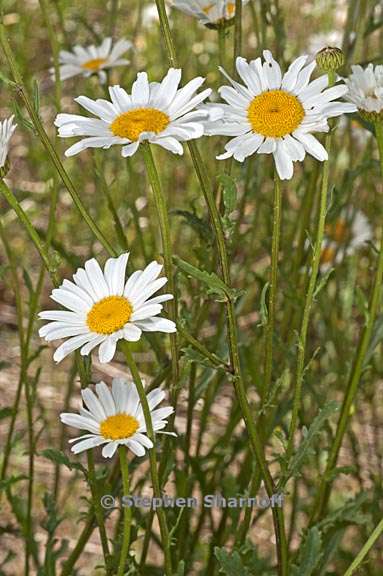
(221, 45)
(98, 512)
(35, 118)
(214, 359)
(310, 295)
(41, 248)
(152, 455)
(237, 31)
(55, 47)
(122, 452)
(309, 300)
(365, 550)
(256, 443)
(166, 32)
(163, 217)
(273, 283)
(356, 372)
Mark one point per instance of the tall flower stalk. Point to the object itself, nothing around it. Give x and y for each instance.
(256, 443)
(163, 218)
(277, 216)
(152, 457)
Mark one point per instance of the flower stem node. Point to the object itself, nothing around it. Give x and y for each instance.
(330, 59)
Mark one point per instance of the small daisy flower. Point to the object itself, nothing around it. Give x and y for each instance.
(85, 61)
(366, 91)
(115, 418)
(7, 128)
(275, 114)
(343, 237)
(103, 308)
(208, 12)
(157, 112)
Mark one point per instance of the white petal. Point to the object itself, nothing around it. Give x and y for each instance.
(93, 404)
(109, 450)
(283, 162)
(107, 350)
(312, 146)
(106, 398)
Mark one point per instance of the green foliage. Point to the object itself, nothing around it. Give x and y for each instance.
(61, 458)
(306, 448)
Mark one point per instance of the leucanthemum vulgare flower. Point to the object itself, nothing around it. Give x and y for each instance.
(366, 91)
(157, 112)
(115, 417)
(103, 308)
(89, 60)
(7, 128)
(348, 232)
(208, 12)
(275, 114)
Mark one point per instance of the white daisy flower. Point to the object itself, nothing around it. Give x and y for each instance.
(366, 89)
(157, 112)
(115, 418)
(344, 236)
(208, 11)
(89, 60)
(103, 308)
(7, 128)
(275, 114)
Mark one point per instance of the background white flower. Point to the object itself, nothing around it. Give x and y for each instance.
(158, 112)
(208, 11)
(275, 114)
(103, 308)
(350, 231)
(7, 128)
(115, 417)
(366, 88)
(89, 60)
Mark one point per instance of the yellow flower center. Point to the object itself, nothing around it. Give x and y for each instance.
(132, 123)
(339, 231)
(230, 9)
(327, 255)
(109, 315)
(94, 64)
(118, 427)
(275, 113)
(207, 8)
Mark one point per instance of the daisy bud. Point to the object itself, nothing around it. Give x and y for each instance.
(330, 59)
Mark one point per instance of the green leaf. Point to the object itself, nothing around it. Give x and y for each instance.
(230, 564)
(229, 192)
(210, 279)
(349, 513)
(323, 281)
(59, 457)
(306, 447)
(8, 482)
(229, 195)
(309, 554)
(6, 412)
(283, 382)
(194, 355)
(263, 310)
(200, 226)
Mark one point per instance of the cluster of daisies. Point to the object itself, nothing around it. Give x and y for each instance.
(266, 112)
